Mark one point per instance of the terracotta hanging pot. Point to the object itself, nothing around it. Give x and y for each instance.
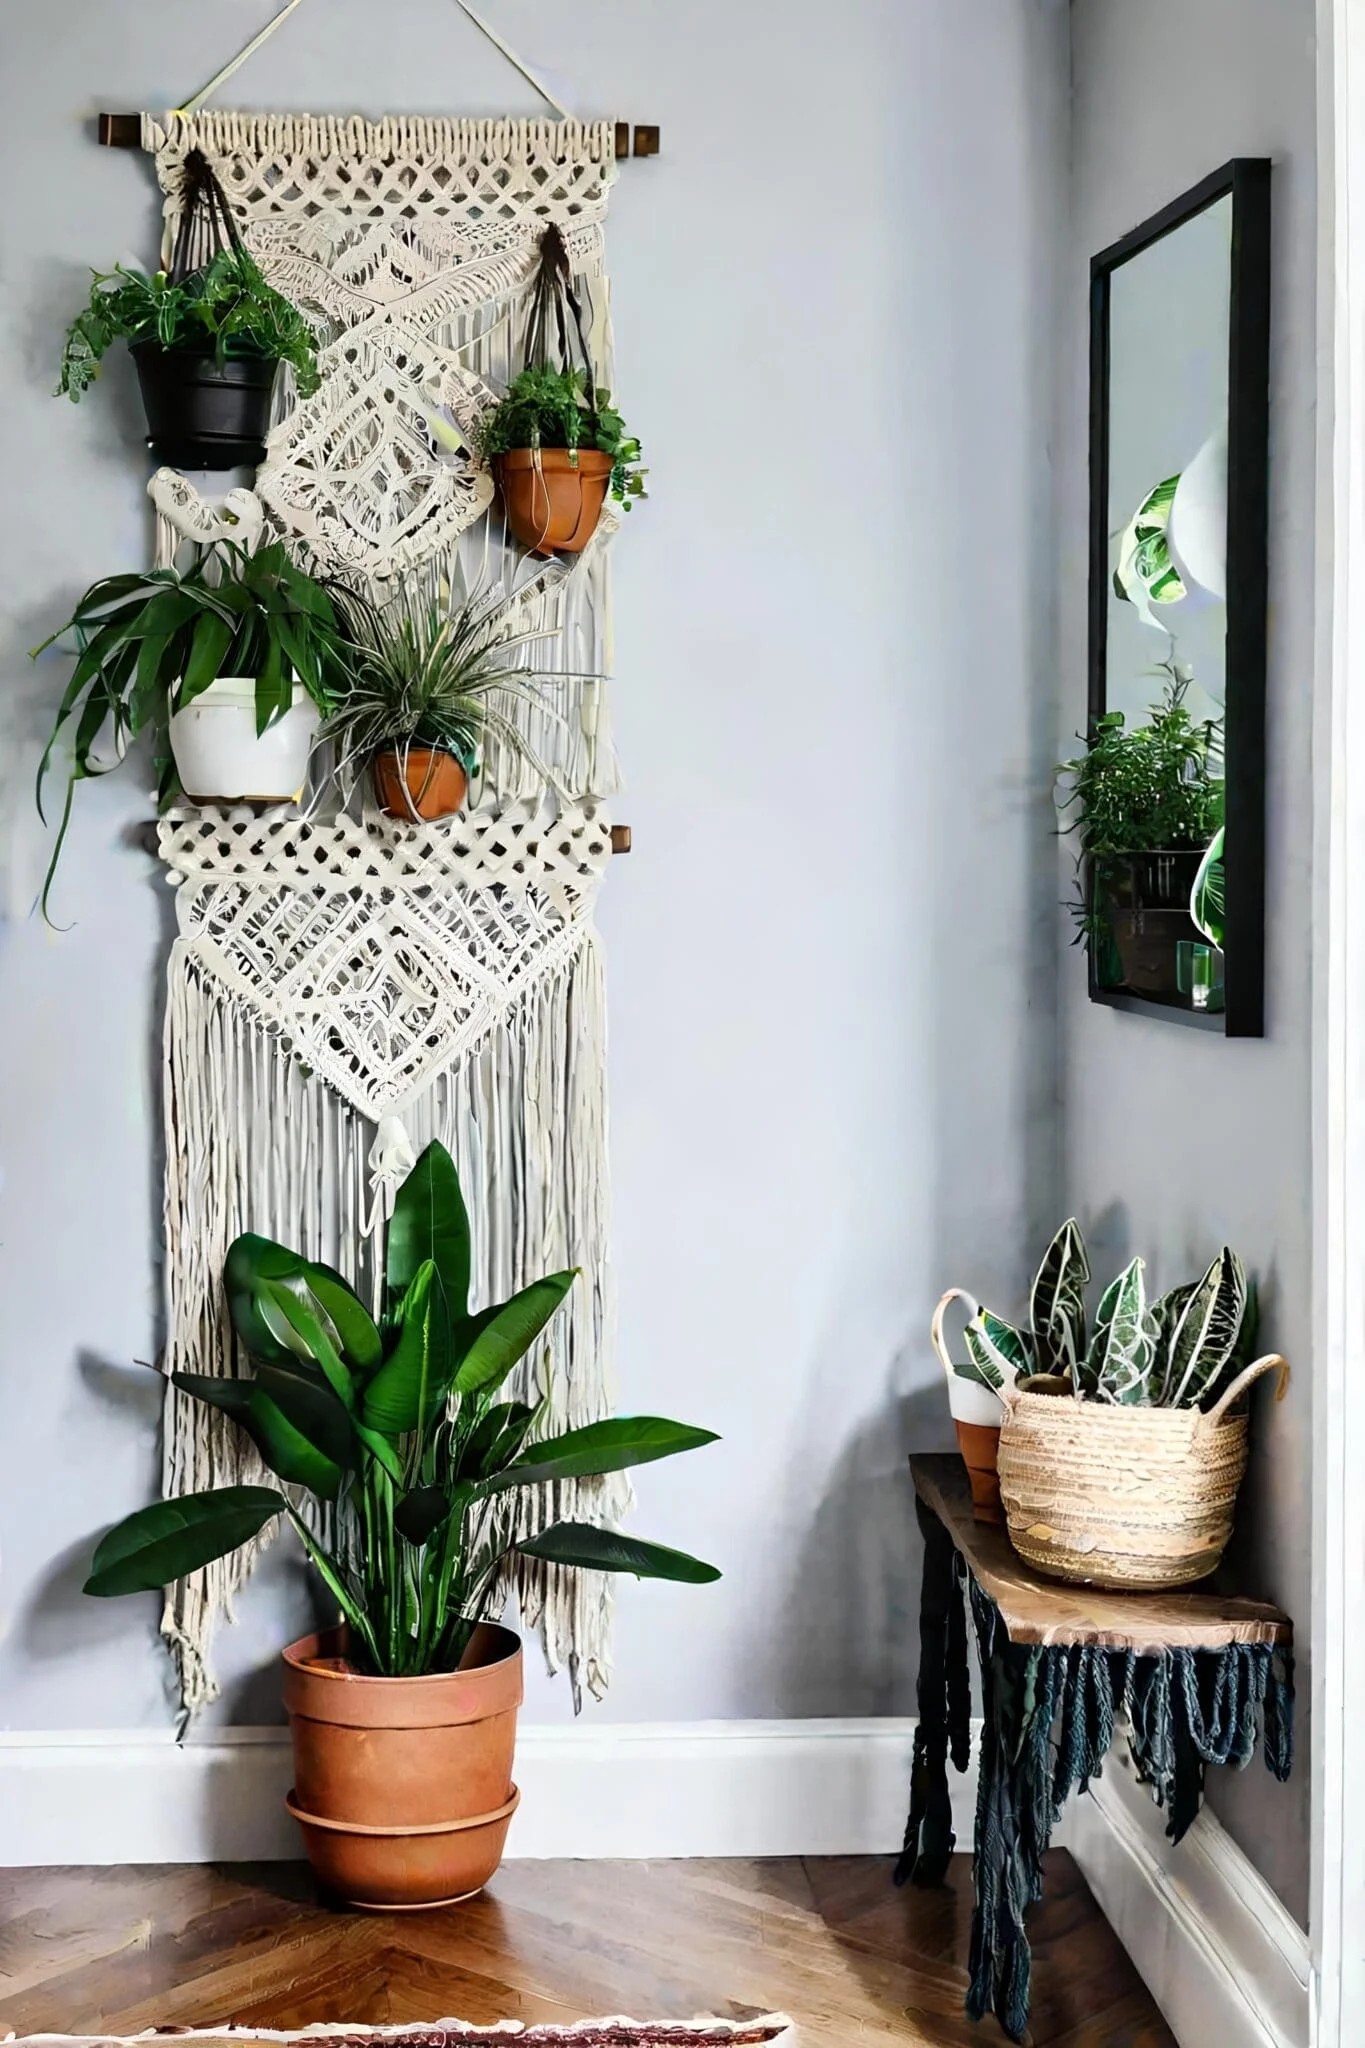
(418, 782)
(403, 1786)
(553, 497)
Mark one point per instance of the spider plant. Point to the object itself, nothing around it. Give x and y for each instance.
(414, 673)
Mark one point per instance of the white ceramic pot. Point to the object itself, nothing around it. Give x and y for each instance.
(219, 756)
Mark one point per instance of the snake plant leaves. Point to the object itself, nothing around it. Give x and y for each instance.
(430, 1221)
(415, 1378)
(1123, 1349)
(612, 1445)
(171, 1537)
(1166, 1312)
(490, 1343)
(999, 1353)
(1207, 897)
(607, 1550)
(1206, 1337)
(1057, 1304)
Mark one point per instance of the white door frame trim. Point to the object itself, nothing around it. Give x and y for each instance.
(1337, 1908)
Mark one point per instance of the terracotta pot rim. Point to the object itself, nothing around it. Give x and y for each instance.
(403, 1829)
(304, 1654)
(594, 462)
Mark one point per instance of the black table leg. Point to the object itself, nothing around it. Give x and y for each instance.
(944, 1708)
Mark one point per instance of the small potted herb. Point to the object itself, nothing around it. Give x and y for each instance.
(208, 337)
(1146, 801)
(556, 446)
(419, 689)
(227, 662)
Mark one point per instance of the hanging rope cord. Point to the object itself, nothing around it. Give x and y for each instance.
(485, 28)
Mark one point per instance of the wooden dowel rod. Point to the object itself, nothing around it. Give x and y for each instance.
(124, 131)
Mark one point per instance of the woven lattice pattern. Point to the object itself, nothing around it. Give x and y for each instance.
(381, 954)
(406, 241)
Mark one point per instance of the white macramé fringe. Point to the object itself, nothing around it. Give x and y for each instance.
(255, 1142)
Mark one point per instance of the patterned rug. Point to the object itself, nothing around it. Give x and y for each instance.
(609, 2033)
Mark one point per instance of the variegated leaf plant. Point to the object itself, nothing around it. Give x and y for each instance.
(1118, 1364)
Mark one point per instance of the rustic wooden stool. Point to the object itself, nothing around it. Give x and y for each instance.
(1198, 1676)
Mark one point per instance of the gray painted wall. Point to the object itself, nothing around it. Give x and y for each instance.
(1175, 1140)
(833, 950)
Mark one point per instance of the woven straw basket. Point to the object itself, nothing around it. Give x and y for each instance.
(1128, 1498)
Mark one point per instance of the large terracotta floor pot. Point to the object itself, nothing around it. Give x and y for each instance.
(553, 497)
(403, 1786)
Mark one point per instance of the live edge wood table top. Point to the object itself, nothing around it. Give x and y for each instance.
(1193, 1679)
(1038, 1610)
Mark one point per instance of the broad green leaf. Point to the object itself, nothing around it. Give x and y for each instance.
(1057, 1304)
(429, 1222)
(211, 641)
(252, 1261)
(277, 1298)
(420, 1514)
(488, 1345)
(286, 1448)
(163, 1542)
(1165, 1313)
(351, 1322)
(606, 1550)
(612, 1445)
(496, 1439)
(1207, 898)
(1122, 1363)
(1206, 1337)
(1145, 575)
(415, 1378)
(998, 1351)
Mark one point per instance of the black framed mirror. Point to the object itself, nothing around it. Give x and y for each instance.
(1168, 794)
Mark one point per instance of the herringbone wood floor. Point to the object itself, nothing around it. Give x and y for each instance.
(827, 1940)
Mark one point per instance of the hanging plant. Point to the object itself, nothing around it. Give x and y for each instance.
(228, 663)
(555, 442)
(207, 337)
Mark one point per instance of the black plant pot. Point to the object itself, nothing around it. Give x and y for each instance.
(202, 413)
(1145, 900)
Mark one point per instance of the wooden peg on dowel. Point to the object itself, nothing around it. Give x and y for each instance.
(124, 131)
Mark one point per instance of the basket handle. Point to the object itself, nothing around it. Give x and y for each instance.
(1243, 1380)
(936, 1326)
(1008, 1394)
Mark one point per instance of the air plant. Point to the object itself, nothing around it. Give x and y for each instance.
(414, 673)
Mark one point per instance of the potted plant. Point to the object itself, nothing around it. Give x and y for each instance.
(1123, 1441)
(403, 1719)
(226, 661)
(207, 347)
(419, 688)
(1147, 800)
(998, 1355)
(557, 445)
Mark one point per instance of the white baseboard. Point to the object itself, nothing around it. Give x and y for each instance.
(1226, 1963)
(727, 1788)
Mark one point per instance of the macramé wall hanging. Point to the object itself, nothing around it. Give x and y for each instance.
(343, 989)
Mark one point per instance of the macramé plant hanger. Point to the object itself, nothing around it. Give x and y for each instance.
(343, 990)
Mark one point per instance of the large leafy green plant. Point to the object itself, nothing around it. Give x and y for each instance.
(400, 1427)
(1177, 1352)
(227, 308)
(544, 407)
(147, 644)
